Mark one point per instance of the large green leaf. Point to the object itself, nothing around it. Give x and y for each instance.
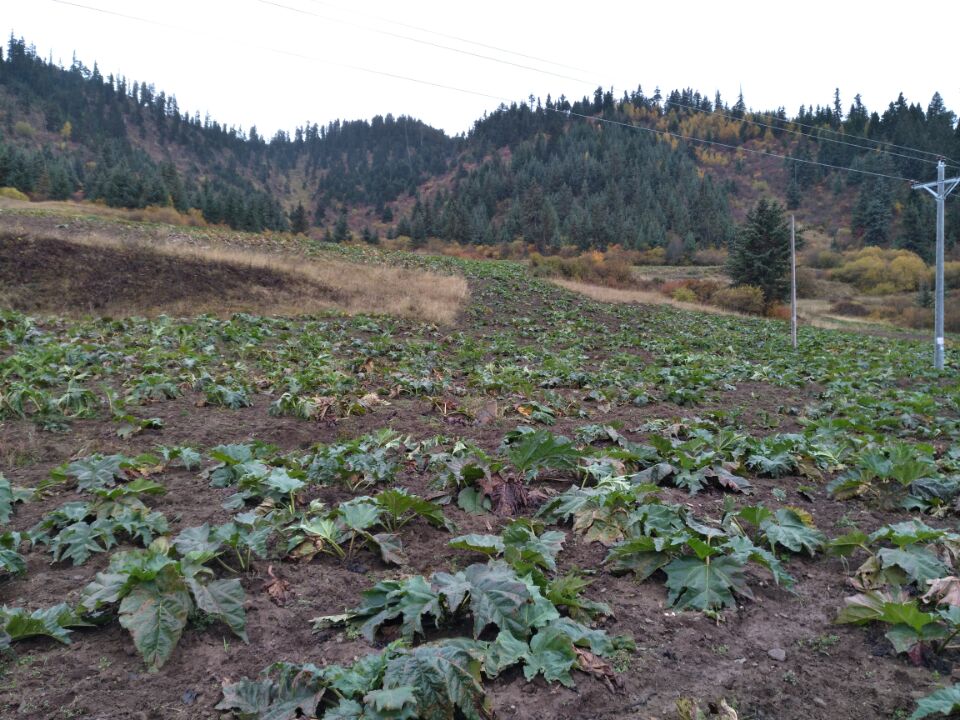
(863, 608)
(296, 693)
(410, 599)
(361, 513)
(196, 539)
(53, 622)
(390, 547)
(400, 506)
(743, 550)
(705, 584)
(490, 545)
(542, 449)
(788, 529)
(96, 471)
(445, 678)
(398, 703)
(551, 654)
(847, 544)
(11, 561)
(77, 542)
(917, 562)
(223, 600)
(9, 496)
(527, 545)
(642, 556)
(496, 597)
(155, 613)
(504, 652)
(945, 701)
(906, 613)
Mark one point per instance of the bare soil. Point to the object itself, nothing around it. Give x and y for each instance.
(830, 672)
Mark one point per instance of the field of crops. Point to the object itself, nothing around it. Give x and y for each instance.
(551, 506)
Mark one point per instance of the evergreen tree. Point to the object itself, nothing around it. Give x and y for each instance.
(760, 254)
(793, 195)
(298, 220)
(341, 232)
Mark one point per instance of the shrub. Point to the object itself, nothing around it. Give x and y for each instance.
(879, 272)
(743, 298)
(951, 275)
(653, 256)
(166, 215)
(705, 289)
(710, 256)
(23, 129)
(848, 307)
(14, 194)
(778, 311)
(806, 282)
(613, 268)
(823, 259)
(684, 294)
(916, 317)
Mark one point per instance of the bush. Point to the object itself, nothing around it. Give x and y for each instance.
(684, 294)
(743, 298)
(653, 256)
(705, 289)
(916, 317)
(951, 275)
(14, 194)
(848, 307)
(23, 129)
(823, 259)
(613, 268)
(880, 272)
(710, 256)
(806, 282)
(778, 311)
(166, 215)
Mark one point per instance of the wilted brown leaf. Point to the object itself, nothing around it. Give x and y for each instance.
(597, 666)
(945, 590)
(488, 413)
(277, 588)
(508, 495)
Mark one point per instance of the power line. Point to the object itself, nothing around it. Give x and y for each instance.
(117, 14)
(714, 143)
(879, 143)
(501, 99)
(451, 37)
(423, 42)
(290, 53)
(821, 129)
(568, 113)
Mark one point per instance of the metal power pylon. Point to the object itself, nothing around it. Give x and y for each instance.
(940, 188)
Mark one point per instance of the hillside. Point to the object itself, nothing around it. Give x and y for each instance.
(588, 173)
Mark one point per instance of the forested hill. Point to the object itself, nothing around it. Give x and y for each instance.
(588, 173)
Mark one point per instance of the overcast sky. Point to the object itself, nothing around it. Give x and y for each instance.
(252, 62)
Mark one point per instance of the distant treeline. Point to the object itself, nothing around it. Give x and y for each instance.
(533, 170)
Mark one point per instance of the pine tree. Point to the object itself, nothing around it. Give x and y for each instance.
(760, 254)
(298, 220)
(341, 231)
(793, 195)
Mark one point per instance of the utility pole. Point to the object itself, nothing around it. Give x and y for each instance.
(793, 282)
(943, 188)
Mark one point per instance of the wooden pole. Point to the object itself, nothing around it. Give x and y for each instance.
(793, 282)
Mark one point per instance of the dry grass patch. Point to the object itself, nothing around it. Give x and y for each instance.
(108, 276)
(644, 297)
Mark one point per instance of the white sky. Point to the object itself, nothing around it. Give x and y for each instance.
(249, 62)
